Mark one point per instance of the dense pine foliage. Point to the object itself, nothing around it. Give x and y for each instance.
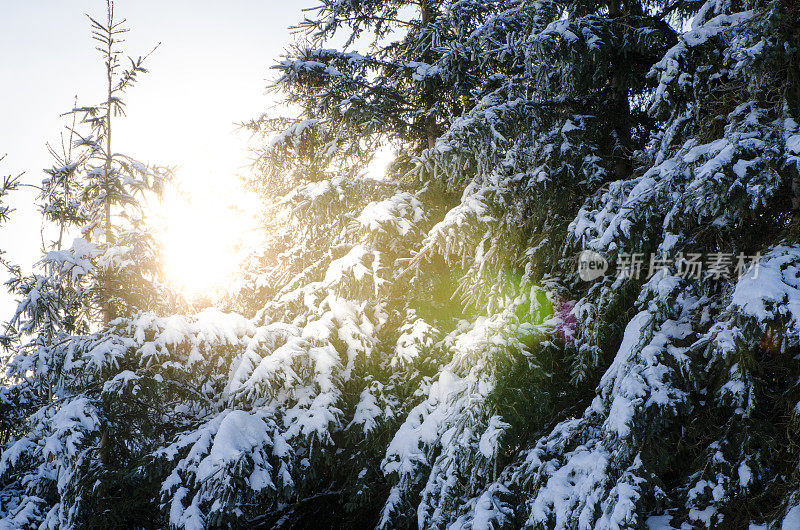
(419, 350)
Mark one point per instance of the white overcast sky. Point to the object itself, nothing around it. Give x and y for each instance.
(209, 72)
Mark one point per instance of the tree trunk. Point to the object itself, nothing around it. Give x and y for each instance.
(619, 96)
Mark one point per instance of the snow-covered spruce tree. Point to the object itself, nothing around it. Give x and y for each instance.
(665, 128)
(67, 463)
(483, 349)
(422, 352)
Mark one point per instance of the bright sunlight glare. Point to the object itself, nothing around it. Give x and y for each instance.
(206, 224)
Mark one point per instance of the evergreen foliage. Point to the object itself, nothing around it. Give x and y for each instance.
(75, 436)
(419, 350)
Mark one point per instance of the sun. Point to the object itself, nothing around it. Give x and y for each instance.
(207, 224)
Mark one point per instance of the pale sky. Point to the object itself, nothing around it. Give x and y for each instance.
(210, 71)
